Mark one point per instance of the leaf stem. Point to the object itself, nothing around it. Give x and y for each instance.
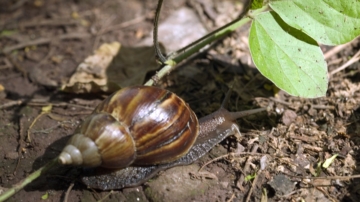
(187, 51)
(17, 187)
(161, 57)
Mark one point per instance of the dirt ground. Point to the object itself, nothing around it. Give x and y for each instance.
(45, 41)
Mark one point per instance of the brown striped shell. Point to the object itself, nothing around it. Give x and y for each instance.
(135, 126)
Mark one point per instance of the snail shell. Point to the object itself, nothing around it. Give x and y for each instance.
(135, 126)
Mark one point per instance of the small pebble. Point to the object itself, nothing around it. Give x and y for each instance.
(224, 184)
(12, 155)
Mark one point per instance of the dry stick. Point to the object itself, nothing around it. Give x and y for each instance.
(194, 47)
(44, 59)
(28, 137)
(354, 59)
(335, 50)
(253, 186)
(52, 22)
(228, 155)
(7, 64)
(17, 187)
(116, 27)
(246, 168)
(45, 40)
(68, 192)
(36, 102)
(326, 177)
(110, 28)
(231, 198)
(313, 106)
(11, 103)
(16, 65)
(106, 196)
(326, 194)
(122, 25)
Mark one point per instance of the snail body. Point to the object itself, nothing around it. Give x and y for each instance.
(139, 131)
(134, 126)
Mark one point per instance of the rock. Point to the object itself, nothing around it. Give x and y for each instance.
(176, 184)
(288, 117)
(12, 155)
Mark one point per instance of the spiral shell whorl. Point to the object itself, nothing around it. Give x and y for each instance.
(100, 140)
(134, 126)
(80, 150)
(162, 125)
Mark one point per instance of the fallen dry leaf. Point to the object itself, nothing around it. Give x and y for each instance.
(90, 76)
(110, 69)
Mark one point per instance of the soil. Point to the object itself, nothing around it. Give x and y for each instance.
(276, 151)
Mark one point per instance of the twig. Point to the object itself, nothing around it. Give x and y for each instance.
(246, 167)
(322, 107)
(231, 198)
(51, 22)
(41, 103)
(253, 186)
(326, 177)
(7, 64)
(44, 59)
(10, 77)
(228, 155)
(335, 50)
(106, 196)
(45, 40)
(16, 5)
(11, 103)
(339, 48)
(354, 59)
(122, 25)
(17, 66)
(158, 52)
(192, 48)
(68, 192)
(280, 101)
(17, 187)
(28, 138)
(326, 193)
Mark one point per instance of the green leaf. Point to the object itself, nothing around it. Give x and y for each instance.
(45, 196)
(6, 32)
(256, 4)
(330, 22)
(250, 177)
(329, 161)
(288, 57)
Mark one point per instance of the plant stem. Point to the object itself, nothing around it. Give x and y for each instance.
(161, 57)
(17, 187)
(199, 44)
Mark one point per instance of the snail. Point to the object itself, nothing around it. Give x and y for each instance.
(140, 130)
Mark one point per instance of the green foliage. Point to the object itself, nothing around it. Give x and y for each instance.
(330, 22)
(287, 57)
(329, 161)
(256, 4)
(6, 32)
(45, 196)
(250, 177)
(284, 42)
